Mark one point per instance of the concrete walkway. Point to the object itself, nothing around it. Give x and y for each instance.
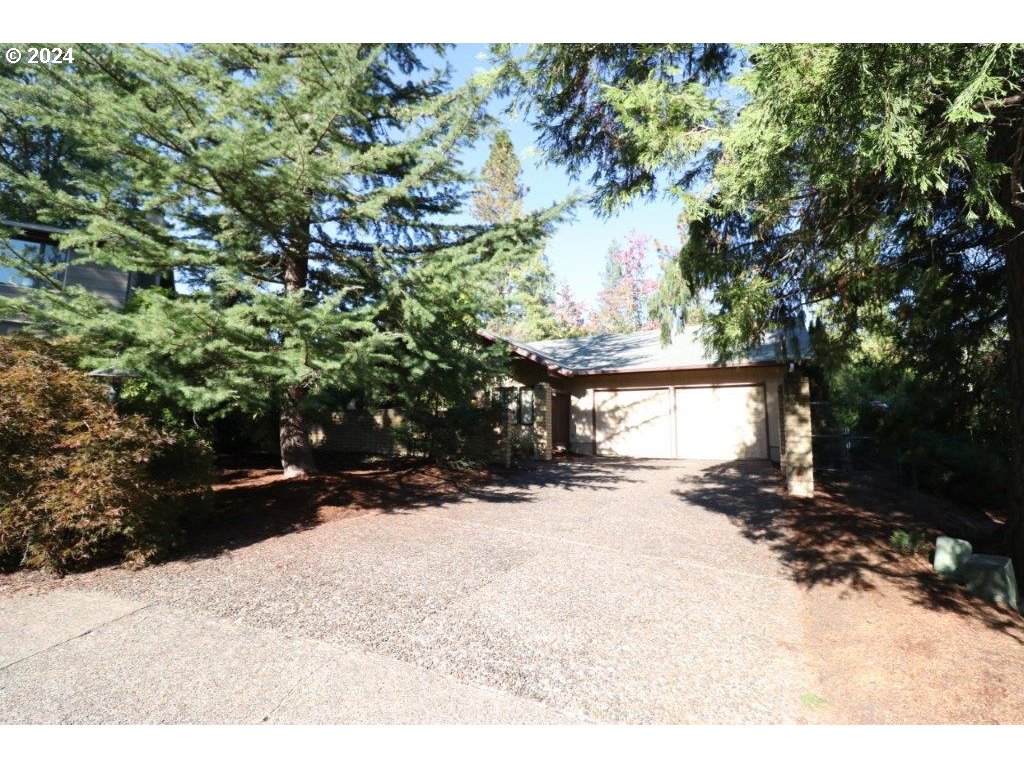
(594, 591)
(85, 657)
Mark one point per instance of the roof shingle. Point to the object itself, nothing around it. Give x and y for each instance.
(643, 350)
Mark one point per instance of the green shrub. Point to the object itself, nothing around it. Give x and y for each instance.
(81, 483)
(525, 446)
(464, 435)
(960, 469)
(908, 543)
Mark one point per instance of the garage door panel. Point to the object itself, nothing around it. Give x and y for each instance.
(634, 423)
(707, 422)
(721, 422)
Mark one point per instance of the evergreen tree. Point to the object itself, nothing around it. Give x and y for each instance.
(498, 198)
(29, 147)
(523, 282)
(303, 197)
(844, 177)
(672, 305)
(623, 113)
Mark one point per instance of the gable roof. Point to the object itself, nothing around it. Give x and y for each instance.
(643, 351)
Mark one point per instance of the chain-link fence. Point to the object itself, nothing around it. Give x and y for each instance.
(839, 450)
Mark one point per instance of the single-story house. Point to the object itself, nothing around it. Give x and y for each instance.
(631, 395)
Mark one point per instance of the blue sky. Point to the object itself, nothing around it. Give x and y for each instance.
(577, 250)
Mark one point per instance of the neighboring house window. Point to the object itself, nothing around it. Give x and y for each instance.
(26, 254)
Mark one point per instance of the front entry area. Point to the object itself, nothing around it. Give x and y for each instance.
(560, 421)
(725, 422)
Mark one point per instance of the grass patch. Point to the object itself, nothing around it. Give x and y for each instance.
(813, 701)
(908, 543)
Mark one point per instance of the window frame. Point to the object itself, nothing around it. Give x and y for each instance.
(527, 406)
(48, 255)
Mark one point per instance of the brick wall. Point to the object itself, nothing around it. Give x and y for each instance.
(797, 458)
(527, 440)
(542, 421)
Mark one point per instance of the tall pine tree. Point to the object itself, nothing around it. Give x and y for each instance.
(523, 282)
(498, 197)
(303, 196)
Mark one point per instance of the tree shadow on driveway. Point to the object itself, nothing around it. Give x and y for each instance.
(254, 501)
(840, 537)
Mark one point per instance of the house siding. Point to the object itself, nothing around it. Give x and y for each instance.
(582, 400)
(111, 285)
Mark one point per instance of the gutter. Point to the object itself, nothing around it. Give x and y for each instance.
(30, 227)
(696, 367)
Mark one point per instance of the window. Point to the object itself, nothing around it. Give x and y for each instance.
(18, 257)
(507, 398)
(526, 406)
(520, 403)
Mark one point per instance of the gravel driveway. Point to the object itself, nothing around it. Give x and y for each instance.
(611, 591)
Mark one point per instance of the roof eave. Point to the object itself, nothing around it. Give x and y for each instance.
(528, 354)
(698, 367)
(30, 226)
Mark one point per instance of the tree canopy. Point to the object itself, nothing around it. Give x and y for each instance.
(876, 187)
(304, 196)
(498, 197)
(630, 299)
(622, 304)
(623, 113)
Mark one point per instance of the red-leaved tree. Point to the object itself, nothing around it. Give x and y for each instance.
(623, 303)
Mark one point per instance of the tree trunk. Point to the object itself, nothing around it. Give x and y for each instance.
(1012, 248)
(1014, 252)
(296, 455)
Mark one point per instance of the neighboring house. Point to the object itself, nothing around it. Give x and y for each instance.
(630, 395)
(37, 244)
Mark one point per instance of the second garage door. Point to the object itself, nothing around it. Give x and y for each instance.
(720, 422)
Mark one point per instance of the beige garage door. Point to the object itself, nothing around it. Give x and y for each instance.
(634, 422)
(721, 423)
